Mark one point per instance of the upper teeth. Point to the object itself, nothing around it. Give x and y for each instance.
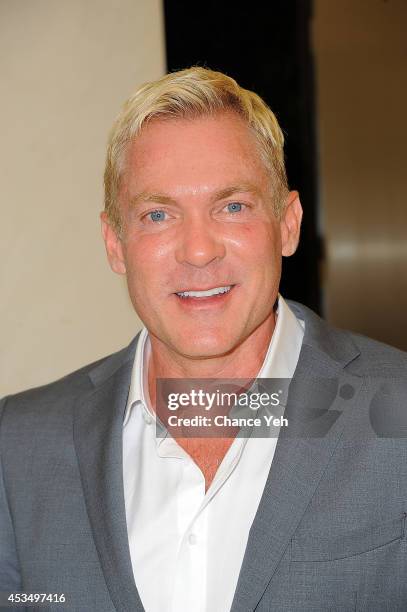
(206, 293)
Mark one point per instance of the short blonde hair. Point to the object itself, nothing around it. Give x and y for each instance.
(193, 93)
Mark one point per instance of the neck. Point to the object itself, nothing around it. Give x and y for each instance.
(244, 361)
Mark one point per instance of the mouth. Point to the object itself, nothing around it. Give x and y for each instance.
(204, 293)
(192, 300)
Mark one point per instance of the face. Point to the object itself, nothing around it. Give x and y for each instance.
(201, 247)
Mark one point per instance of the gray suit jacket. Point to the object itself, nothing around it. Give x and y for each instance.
(329, 533)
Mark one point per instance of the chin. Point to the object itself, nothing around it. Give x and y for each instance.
(203, 347)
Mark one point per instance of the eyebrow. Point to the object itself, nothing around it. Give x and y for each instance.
(161, 198)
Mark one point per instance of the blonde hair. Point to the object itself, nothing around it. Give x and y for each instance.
(193, 93)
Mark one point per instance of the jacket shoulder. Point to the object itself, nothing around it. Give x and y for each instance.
(361, 355)
(67, 388)
(380, 359)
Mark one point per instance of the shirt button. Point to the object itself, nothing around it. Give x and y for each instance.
(192, 539)
(147, 418)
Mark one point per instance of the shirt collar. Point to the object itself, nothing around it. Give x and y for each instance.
(280, 360)
(138, 392)
(285, 344)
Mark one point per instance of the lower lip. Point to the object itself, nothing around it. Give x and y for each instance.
(213, 301)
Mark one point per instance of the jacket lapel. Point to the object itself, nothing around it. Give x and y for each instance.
(98, 423)
(302, 454)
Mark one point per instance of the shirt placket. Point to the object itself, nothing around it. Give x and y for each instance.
(189, 592)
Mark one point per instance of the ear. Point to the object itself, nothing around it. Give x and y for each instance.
(113, 244)
(290, 224)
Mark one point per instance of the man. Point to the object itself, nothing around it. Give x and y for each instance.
(98, 506)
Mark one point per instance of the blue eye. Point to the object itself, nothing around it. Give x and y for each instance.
(157, 215)
(234, 207)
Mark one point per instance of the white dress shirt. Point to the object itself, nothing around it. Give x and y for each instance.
(187, 546)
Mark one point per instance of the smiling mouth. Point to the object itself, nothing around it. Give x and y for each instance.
(205, 293)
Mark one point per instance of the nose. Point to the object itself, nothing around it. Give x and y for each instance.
(199, 243)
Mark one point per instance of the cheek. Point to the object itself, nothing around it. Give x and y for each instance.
(260, 255)
(144, 253)
(147, 263)
(257, 244)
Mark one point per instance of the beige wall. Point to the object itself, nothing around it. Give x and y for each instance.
(66, 68)
(361, 69)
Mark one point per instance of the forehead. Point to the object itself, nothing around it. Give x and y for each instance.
(183, 153)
